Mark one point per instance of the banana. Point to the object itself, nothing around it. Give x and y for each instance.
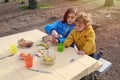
(44, 45)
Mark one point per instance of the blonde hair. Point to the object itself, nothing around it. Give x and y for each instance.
(84, 18)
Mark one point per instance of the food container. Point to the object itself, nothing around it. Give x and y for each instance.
(24, 43)
(48, 59)
(22, 56)
(46, 38)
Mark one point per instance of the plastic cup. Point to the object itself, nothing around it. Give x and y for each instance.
(60, 47)
(13, 49)
(28, 61)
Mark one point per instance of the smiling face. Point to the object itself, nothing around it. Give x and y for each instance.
(71, 18)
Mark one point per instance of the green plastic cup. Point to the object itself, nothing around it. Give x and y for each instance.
(60, 47)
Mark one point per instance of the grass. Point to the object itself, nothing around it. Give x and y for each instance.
(24, 8)
(39, 6)
(18, 1)
(44, 6)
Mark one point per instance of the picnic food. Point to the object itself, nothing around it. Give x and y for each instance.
(46, 38)
(48, 59)
(30, 55)
(22, 56)
(40, 53)
(24, 43)
(45, 45)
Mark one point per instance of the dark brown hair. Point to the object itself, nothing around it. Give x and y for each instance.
(69, 10)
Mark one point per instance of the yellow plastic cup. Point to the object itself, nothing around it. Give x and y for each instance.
(13, 49)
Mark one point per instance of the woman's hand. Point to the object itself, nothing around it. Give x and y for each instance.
(81, 52)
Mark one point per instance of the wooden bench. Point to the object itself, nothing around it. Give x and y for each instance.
(105, 66)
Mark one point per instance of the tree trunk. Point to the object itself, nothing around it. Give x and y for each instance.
(109, 2)
(32, 4)
(6, 1)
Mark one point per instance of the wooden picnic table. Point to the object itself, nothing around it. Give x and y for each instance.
(12, 68)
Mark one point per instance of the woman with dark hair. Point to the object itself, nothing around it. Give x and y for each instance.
(60, 29)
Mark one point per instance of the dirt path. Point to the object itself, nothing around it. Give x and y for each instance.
(106, 23)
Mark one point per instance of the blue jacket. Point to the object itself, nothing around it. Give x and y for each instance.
(63, 29)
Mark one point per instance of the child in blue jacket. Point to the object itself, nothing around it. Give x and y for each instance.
(60, 29)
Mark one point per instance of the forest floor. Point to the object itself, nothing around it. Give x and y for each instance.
(106, 24)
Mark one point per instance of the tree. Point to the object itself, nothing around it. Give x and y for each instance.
(6, 1)
(32, 4)
(109, 2)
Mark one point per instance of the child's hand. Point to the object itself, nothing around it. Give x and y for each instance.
(81, 52)
(54, 34)
(54, 41)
